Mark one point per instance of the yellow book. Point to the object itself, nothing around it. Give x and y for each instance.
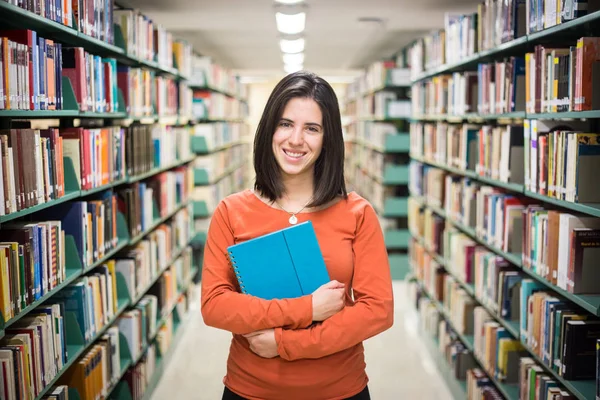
(5, 285)
(555, 84)
(112, 271)
(505, 346)
(90, 244)
(16, 273)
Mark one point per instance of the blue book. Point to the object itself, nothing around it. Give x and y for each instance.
(283, 264)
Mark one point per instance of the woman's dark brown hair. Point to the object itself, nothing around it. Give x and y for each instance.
(329, 167)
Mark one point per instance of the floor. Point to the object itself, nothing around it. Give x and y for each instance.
(398, 363)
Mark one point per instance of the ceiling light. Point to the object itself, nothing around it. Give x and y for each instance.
(291, 68)
(292, 46)
(297, 58)
(289, 1)
(290, 24)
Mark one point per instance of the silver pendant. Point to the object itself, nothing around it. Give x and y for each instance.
(293, 220)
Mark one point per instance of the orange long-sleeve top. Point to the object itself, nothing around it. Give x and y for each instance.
(321, 360)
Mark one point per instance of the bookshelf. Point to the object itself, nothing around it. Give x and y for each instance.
(377, 150)
(157, 180)
(220, 140)
(479, 196)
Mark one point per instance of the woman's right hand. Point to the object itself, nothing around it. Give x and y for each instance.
(328, 300)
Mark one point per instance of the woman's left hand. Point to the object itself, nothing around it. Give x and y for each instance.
(263, 343)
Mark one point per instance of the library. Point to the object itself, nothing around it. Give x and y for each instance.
(299, 199)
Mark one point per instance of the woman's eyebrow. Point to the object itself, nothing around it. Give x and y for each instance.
(314, 124)
(308, 123)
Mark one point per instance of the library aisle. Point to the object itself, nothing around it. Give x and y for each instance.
(398, 364)
(471, 127)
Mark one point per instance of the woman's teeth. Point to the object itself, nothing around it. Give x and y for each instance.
(295, 155)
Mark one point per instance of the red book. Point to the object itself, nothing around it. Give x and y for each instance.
(108, 84)
(74, 69)
(84, 153)
(25, 37)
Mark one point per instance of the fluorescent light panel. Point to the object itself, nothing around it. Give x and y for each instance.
(290, 24)
(297, 58)
(292, 46)
(289, 1)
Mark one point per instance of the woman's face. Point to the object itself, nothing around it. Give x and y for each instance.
(298, 138)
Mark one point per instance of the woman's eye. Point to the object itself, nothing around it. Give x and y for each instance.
(285, 124)
(313, 129)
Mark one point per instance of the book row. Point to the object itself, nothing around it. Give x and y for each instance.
(144, 202)
(147, 40)
(147, 94)
(549, 79)
(219, 134)
(542, 321)
(31, 71)
(33, 162)
(35, 256)
(33, 354)
(364, 169)
(91, 17)
(496, 355)
(208, 74)
(227, 185)
(374, 134)
(380, 105)
(34, 73)
(139, 377)
(148, 147)
(218, 163)
(549, 158)
(141, 37)
(207, 104)
(494, 23)
(556, 245)
(377, 76)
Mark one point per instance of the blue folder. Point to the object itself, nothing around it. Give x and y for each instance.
(283, 264)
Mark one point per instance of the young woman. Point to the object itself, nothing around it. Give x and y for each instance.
(308, 347)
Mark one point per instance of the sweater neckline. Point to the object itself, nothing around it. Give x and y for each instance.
(250, 193)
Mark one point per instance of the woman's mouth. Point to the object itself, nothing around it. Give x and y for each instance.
(294, 154)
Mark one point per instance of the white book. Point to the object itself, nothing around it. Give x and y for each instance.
(109, 291)
(105, 294)
(105, 382)
(127, 269)
(113, 336)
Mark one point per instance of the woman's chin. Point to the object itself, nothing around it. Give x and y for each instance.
(293, 170)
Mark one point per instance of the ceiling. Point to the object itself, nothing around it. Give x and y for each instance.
(242, 34)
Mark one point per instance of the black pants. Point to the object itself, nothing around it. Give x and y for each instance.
(364, 395)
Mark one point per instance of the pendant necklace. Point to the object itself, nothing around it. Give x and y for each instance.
(293, 220)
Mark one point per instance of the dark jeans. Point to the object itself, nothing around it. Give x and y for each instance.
(364, 395)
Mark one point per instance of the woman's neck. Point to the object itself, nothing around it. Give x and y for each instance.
(298, 191)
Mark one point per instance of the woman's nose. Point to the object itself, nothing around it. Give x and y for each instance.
(296, 137)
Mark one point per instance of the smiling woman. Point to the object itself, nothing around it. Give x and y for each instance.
(308, 347)
(298, 140)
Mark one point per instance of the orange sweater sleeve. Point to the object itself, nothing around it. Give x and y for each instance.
(373, 309)
(224, 307)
